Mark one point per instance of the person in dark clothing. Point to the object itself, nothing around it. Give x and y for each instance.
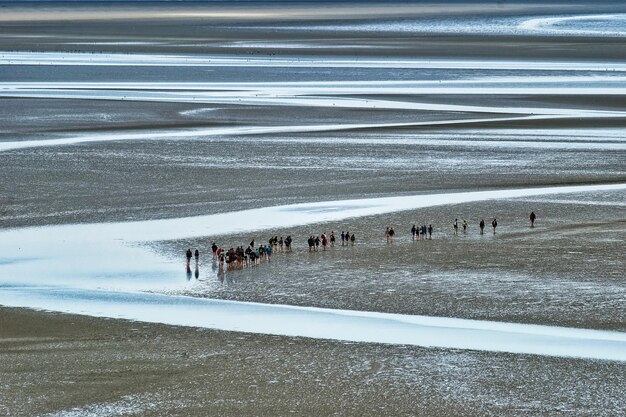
(532, 219)
(482, 226)
(494, 224)
(392, 233)
(456, 226)
(413, 231)
(214, 249)
(332, 238)
(430, 231)
(311, 243)
(188, 255)
(288, 243)
(352, 238)
(196, 255)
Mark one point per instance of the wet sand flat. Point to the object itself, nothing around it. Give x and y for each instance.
(566, 271)
(158, 111)
(146, 369)
(113, 181)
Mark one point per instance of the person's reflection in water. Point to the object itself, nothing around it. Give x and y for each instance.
(188, 272)
(197, 271)
(214, 265)
(220, 275)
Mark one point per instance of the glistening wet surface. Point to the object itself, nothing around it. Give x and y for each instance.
(123, 142)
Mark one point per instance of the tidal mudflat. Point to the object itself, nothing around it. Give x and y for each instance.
(143, 129)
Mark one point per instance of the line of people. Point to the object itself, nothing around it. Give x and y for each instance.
(422, 232)
(238, 258)
(314, 242)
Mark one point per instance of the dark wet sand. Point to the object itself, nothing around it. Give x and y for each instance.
(114, 367)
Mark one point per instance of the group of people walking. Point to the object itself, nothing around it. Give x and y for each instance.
(329, 240)
(238, 258)
(420, 232)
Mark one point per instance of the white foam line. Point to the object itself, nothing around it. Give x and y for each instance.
(318, 323)
(276, 216)
(283, 45)
(112, 43)
(136, 92)
(257, 99)
(313, 86)
(109, 59)
(516, 87)
(597, 143)
(239, 130)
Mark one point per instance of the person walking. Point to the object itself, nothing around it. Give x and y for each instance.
(387, 237)
(392, 233)
(494, 224)
(413, 231)
(324, 241)
(343, 238)
(332, 238)
(188, 254)
(464, 225)
(456, 226)
(196, 255)
(430, 231)
(352, 239)
(482, 226)
(532, 219)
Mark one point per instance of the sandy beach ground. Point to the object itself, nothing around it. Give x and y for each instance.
(113, 367)
(113, 113)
